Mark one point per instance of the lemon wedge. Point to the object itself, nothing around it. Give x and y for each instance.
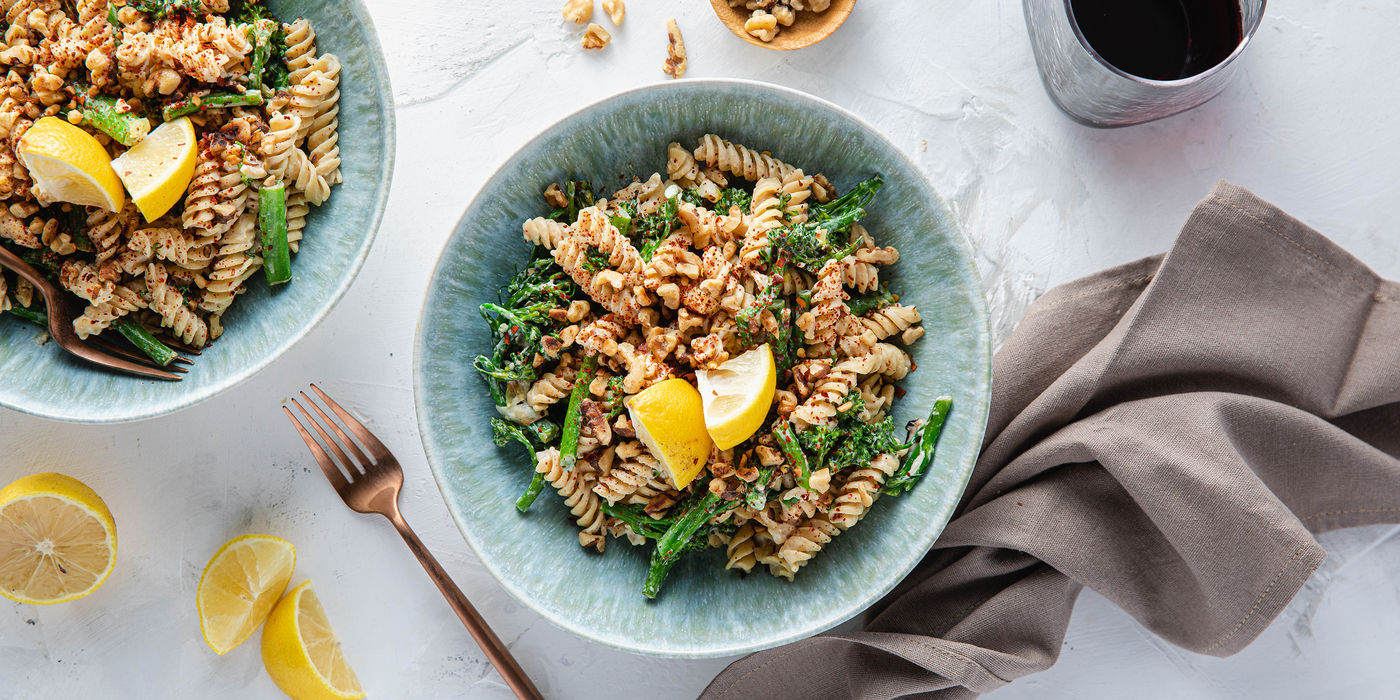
(157, 170)
(239, 586)
(737, 395)
(57, 540)
(670, 421)
(301, 652)
(69, 165)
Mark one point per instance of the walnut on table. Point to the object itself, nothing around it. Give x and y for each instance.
(596, 37)
(578, 11)
(616, 10)
(675, 51)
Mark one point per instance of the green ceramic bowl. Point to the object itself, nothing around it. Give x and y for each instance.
(703, 610)
(263, 323)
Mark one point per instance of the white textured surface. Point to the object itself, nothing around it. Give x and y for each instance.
(1310, 125)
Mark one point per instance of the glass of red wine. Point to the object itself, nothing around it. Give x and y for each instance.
(1109, 63)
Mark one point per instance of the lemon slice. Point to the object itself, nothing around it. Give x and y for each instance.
(301, 653)
(157, 170)
(239, 587)
(670, 421)
(737, 395)
(57, 540)
(69, 165)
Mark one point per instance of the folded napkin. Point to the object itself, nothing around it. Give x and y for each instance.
(1171, 433)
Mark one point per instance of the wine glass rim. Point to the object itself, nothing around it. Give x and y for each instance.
(1203, 75)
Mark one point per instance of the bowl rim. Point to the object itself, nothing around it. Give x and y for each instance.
(388, 130)
(814, 626)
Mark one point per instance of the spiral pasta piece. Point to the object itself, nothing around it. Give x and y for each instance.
(605, 264)
(554, 386)
(322, 141)
(740, 160)
(301, 49)
(233, 265)
(861, 489)
(576, 487)
(167, 301)
(829, 396)
(278, 143)
(544, 232)
(681, 166)
(895, 319)
(740, 551)
(628, 476)
(97, 318)
(296, 219)
(804, 544)
(307, 97)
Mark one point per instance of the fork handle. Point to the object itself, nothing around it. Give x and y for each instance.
(496, 650)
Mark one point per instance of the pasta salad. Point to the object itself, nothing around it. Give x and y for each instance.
(630, 354)
(244, 98)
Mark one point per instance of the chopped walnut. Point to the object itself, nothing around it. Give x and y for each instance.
(675, 51)
(784, 15)
(616, 10)
(597, 421)
(578, 10)
(623, 427)
(554, 197)
(596, 37)
(768, 456)
(762, 25)
(820, 480)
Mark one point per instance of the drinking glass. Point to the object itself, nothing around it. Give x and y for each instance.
(1095, 93)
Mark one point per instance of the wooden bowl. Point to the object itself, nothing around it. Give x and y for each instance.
(809, 28)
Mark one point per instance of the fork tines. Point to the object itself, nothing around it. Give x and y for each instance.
(339, 445)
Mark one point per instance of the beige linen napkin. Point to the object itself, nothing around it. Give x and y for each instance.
(1170, 433)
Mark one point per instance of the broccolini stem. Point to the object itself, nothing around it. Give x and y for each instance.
(757, 497)
(639, 521)
(272, 221)
(531, 493)
(260, 34)
(862, 304)
(919, 460)
(125, 128)
(673, 544)
(34, 316)
(787, 439)
(144, 341)
(175, 110)
(573, 418)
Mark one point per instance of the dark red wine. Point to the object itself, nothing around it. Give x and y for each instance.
(1160, 39)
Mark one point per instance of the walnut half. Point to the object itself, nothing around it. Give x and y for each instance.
(578, 10)
(616, 10)
(596, 37)
(675, 51)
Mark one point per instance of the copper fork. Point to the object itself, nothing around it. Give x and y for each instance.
(63, 309)
(374, 487)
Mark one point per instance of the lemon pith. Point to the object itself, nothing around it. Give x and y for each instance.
(157, 170)
(69, 165)
(301, 653)
(669, 418)
(239, 586)
(58, 541)
(737, 395)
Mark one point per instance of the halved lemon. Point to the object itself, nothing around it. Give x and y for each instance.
(301, 652)
(157, 170)
(57, 540)
(69, 165)
(670, 420)
(737, 396)
(240, 585)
